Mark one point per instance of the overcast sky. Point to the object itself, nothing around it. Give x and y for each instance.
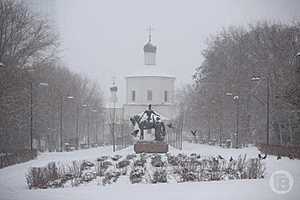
(102, 39)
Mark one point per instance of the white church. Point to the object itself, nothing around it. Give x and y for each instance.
(150, 86)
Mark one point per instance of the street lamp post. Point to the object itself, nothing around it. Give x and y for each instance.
(268, 110)
(77, 125)
(267, 104)
(236, 98)
(88, 129)
(61, 123)
(88, 122)
(89, 113)
(31, 111)
(31, 116)
(113, 90)
(61, 120)
(103, 129)
(96, 131)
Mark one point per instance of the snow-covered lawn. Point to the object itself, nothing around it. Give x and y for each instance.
(13, 185)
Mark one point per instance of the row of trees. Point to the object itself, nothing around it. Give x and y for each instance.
(243, 70)
(39, 96)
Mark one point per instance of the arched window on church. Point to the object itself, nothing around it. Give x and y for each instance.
(149, 95)
(133, 95)
(166, 96)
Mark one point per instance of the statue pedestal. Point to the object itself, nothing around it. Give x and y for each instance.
(151, 147)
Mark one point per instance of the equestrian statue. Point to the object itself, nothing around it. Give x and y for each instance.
(152, 121)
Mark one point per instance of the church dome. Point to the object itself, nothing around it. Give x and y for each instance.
(149, 47)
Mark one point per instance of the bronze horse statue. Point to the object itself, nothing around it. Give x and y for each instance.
(159, 127)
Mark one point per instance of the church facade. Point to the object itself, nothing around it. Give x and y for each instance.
(150, 86)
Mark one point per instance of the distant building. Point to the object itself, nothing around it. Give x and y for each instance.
(150, 86)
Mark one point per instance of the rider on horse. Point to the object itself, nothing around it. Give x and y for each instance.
(150, 123)
(149, 113)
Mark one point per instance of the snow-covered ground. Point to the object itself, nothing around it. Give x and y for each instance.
(13, 185)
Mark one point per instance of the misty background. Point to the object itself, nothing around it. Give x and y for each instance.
(102, 39)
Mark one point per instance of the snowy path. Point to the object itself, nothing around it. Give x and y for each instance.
(13, 186)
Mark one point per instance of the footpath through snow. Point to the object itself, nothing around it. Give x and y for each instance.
(13, 185)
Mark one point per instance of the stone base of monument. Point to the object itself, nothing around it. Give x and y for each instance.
(151, 147)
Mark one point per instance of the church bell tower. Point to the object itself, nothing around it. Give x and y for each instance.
(149, 52)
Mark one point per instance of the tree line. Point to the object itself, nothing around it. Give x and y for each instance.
(244, 68)
(39, 96)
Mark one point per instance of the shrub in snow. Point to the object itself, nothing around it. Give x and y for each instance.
(111, 176)
(194, 155)
(102, 158)
(130, 156)
(180, 167)
(159, 176)
(123, 163)
(55, 183)
(173, 160)
(68, 176)
(74, 169)
(86, 165)
(136, 175)
(156, 161)
(106, 164)
(124, 171)
(116, 157)
(88, 176)
(187, 175)
(101, 167)
(76, 182)
(254, 169)
(140, 162)
(38, 177)
(144, 156)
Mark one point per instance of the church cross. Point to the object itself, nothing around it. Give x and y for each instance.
(113, 80)
(150, 29)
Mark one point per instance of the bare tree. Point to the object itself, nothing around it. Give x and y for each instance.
(24, 37)
(232, 58)
(27, 41)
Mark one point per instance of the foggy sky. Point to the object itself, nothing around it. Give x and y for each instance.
(102, 39)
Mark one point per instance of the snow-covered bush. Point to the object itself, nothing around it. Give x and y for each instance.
(38, 177)
(123, 163)
(255, 169)
(136, 175)
(102, 158)
(86, 165)
(181, 167)
(106, 164)
(88, 176)
(159, 176)
(130, 156)
(173, 160)
(188, 175)
(102, 166)
(111, 176)
(140, 162)
(116, 157)
(156, 161)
